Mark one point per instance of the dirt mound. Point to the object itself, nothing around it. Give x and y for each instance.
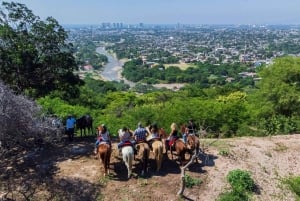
(74, 173)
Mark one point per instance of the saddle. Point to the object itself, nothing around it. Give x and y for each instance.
(172, 142)
(126, 143)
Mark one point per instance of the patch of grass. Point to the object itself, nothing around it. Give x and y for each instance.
(294, 185)
(105, 179)
(224, 152)
(233, 196)
(280, 147)
(143, 182)
(220, 144)
(190, 181)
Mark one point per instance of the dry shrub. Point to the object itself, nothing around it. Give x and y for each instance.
(22, 123)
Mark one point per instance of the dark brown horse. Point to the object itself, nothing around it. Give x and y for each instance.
(85, 124)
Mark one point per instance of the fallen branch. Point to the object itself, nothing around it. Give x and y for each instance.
(180, 192)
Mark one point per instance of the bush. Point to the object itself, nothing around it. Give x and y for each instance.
(240, 181)
(294, 185)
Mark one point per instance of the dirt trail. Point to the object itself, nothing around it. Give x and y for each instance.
(268, 159)
(70, 172)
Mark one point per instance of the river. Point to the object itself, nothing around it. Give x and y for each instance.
(112, 70)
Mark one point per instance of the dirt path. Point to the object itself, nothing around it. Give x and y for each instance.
(70, 172)
(268, 159)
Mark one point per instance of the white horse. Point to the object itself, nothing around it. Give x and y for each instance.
(127, 154)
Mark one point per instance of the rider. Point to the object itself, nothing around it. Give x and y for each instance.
(126, 137)
(192, 127)
(103, 137)
(185, 134)
(154, 135)
(173, 135)
(140, 133)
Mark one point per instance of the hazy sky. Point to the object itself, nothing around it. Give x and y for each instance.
(168, 11)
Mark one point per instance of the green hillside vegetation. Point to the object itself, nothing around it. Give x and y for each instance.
(269, 106)
(272, 107)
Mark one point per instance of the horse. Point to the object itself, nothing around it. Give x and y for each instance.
(157, 148)
(127, 155)
(104, 153)
(143, 150)
(83, 123)
(179, 146)
(192, 141)
(193, 144)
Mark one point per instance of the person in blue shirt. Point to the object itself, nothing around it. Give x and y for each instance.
(140, 134)
(70, 127)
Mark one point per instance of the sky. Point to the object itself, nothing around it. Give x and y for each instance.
(167, 11)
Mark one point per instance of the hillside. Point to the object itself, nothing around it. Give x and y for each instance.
(77, 175)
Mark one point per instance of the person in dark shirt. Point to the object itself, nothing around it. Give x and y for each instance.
(192, 127)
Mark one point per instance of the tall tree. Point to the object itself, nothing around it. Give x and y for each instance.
(280, 86)
(34, 55)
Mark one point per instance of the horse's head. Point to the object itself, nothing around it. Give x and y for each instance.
(191, 142)
(162, 133)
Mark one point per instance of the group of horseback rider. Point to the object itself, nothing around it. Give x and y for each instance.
(140, 135)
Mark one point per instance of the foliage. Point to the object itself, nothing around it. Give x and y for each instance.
(294, 185)
(30, 46)
(240, 181)
(190, 181)
(233, 196)
(242, 186)
(280, 86)
(206, 74)
(86, 54)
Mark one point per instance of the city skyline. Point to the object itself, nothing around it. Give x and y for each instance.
(168, 11)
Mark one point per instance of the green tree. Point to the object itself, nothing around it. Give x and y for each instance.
(280, 86)
(34, 55)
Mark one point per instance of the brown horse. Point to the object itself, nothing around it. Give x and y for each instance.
(179, 146)
(104, 153)
(143, 153)
(157, 147)
(104, 149)
(192, 141)
(193, 145)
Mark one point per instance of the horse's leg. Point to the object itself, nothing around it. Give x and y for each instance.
(108, 159)
(145, 158)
